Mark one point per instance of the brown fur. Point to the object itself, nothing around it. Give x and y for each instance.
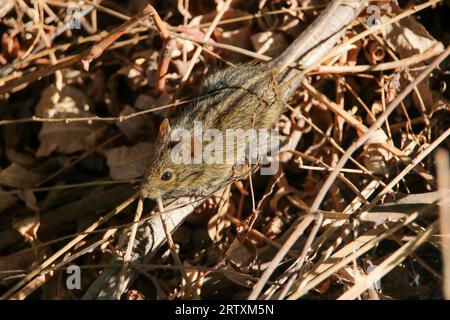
(243, 97)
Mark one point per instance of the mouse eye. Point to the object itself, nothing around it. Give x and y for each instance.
(167, 176)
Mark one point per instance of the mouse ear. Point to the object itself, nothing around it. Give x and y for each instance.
(164, 128)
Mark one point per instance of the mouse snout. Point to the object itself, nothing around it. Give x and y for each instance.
(147, 191)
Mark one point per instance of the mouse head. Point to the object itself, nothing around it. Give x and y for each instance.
(168, 176)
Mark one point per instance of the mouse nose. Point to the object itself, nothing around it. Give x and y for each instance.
(148, 191)
(144, 189)
(144, 193)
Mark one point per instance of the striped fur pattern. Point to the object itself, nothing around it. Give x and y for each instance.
(243, 97)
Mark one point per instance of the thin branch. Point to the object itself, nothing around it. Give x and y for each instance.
(361, 140)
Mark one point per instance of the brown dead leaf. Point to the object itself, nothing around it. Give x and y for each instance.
(19, 177)
(68, 101)
(134, 295)
(409, 37)
(24, 159)
(65, 137)
(241, 256)
(27, 225)
(129, 162)
(30, 200)
(130, 127)
(374, 156)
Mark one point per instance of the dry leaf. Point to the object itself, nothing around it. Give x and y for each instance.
(241, 256)
(375, 157)
(129, 162)
(408, 37)
(130, 127)
(19, 177)
(134, 295)
(65, 137)
(27, 225)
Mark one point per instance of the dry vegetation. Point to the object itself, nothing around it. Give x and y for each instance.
(79, 114)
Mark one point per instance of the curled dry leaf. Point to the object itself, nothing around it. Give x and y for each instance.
(392, 86)
(27, 225)
(374, 52)
(350, 275)
(352, 54)
(241, 256)
(60, 136)
(134, 295)
(374, 156)
(21, 158)
(130, 127)
(408, 37)
(30, 200)
(128, 162)
(19, 177)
